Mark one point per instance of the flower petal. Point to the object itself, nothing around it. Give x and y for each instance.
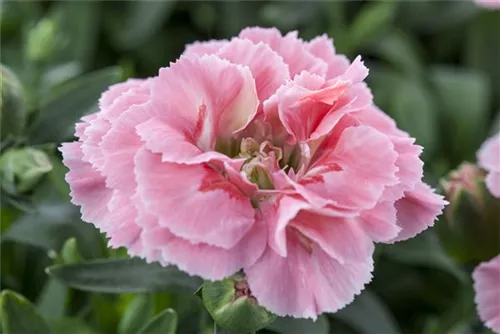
(209, 262)
(267, 67)
(115, 91)
(322, 47)
(362, 156)
(204, 48)
(307, 282)
(207, 98)
(291, 48)
(489, 158)
(88, 187)
(487, 287)
(194, 201)
(341, 238)
(380, 223)
(417, 211)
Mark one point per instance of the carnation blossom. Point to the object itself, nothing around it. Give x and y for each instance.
(487, 287)
(490, 4)
(263, 153)
(488, 158)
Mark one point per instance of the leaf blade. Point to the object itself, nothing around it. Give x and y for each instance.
(124, 276)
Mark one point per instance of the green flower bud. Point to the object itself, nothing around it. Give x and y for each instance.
(232, 306)
(41, 41)
(13, 111)
(22, 169)
(470, 230)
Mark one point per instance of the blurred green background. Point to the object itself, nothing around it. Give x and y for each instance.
(434, 67)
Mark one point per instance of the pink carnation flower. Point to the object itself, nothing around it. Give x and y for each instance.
(490, 4)
(487, 287)
(488, 158)
(263, 153)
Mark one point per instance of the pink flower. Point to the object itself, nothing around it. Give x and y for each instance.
(490, 4)
(487, 287)
(263, 153)
(488, 158)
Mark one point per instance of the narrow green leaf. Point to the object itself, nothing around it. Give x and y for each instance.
(373, 20)
(482, 49)
(414, 110)
(124, 276)
(376, 316)
(434, 16)
(78, 24)
(70, 325)
(136, 314)
(51, 303)
(400, 50)
(165, 323)
(60, 111)
(423, 250)
(464, 97)
(133, 32)
(288, 325)
(19, 316)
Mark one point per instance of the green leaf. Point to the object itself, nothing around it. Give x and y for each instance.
(165, 323)
(288, 325)
(374, 19)
(60, 111)
(464, 97)
(240, 314)
(413, 108)
(51, 303)
(51, 226)
(482, 49)
(136, 314)
(70, 325)
(426, 251)
(132, 33)
(288, 15)
(124, 276)
(376, 317)
(433, 16)
(13, 103)
(400, 50)
(19, 316)
(78, 25)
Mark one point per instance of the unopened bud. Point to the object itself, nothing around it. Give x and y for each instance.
(22, 169)
(233, 307)
(12, 103)
(470, 230)
(466, 180)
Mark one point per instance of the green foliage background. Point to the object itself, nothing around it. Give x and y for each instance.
(434, 67)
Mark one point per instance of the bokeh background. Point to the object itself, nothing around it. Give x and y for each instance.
(434, 67)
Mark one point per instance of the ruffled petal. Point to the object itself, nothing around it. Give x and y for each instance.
(487, 287)
(380, 223)
(204, 48)
(289, 47)
(88, 187)
(417, 211)
(489, 158)
(307, 282)
(268, 68)
(109, 96)
(362, 156)
(205, 98)
(322, 47)
(209, 262)
(194, 201)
